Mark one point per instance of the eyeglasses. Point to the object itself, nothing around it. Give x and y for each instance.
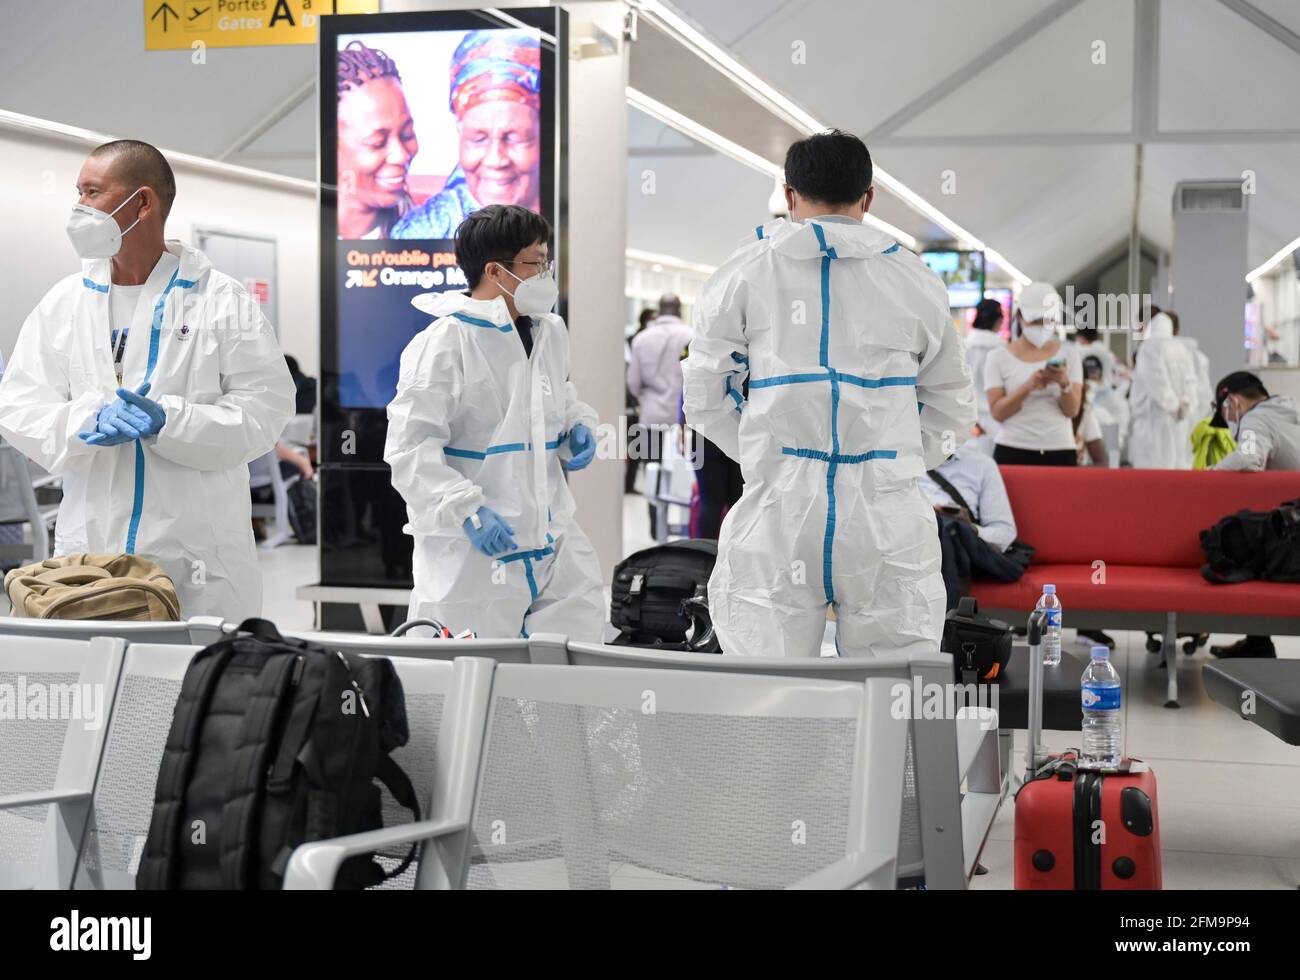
(544, 266)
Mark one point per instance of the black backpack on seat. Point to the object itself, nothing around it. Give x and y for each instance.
(274, 743)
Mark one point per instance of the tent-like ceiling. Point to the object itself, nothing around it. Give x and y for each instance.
(1027, 111)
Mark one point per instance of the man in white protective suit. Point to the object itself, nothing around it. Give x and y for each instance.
(825, 361)
(1161, 400)
(483, 426)
(147, 381)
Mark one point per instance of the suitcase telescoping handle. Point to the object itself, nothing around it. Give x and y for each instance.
(1033, 751)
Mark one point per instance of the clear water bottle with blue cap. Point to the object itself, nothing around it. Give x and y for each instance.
(1103, 733)
(1051, 606)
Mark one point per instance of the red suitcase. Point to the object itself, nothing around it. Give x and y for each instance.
(1088, 830)
(1081, 829)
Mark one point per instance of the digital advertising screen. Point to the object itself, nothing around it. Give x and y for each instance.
(962, 272)
(425, 118)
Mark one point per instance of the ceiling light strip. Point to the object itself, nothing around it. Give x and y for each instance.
(672, 23)
(1274, 262)
(17, 122)
(702, 134)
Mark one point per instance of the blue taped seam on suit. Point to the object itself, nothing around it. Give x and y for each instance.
(479, 322)
(894, 381)
(91, 284)
(759, 232)
(155, 333)
(504, 447)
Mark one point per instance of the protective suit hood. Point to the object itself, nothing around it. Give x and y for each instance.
(1160, 327)
(452, 301)
(799, 239)
(194, 265)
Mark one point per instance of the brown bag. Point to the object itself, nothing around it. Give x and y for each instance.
(124, 587)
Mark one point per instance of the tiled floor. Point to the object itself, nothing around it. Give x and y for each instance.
(1229, 792)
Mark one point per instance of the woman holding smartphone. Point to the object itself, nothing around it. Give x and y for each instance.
(1035, 385)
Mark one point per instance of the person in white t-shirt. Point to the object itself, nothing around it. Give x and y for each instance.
(1035, 385)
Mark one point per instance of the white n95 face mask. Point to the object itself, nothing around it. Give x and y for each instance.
(536, 295)
(1038, 336)
(94, 234)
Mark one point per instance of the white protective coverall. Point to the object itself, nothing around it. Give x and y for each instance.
(476, 423)
(1196, 380)
(1160, 398)
(857, 383)
(179, 498)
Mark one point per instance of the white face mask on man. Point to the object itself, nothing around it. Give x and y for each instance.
(536, 295)
(1038, 336)
(94, 234)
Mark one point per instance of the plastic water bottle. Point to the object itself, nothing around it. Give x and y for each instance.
(1051, 625)
(1103, 734)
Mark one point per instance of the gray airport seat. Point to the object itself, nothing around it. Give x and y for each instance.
(265, 472)
(592, 776)
(137, 734)
(369, 645)
(48, 764)
(19, 506)
(198, 630)
(944, 754)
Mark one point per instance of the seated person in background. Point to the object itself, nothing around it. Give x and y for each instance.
(1268, 438)
(304, 388)
(970, 479)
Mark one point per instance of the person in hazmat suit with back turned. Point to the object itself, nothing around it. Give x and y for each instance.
(148, 380)
(1161, 399)
(826, 363)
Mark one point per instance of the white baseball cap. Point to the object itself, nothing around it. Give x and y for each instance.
(1040, 301)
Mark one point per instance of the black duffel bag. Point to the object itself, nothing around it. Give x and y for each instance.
(274, 742)
(980, 646)
(1254, 545)
(660, 597)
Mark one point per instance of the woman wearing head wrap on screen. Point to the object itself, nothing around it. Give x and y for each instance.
(376, 143)
(496, 98)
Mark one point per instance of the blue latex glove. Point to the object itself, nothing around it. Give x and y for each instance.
(583, 444)
(493, 536)
(117, 422)
(155, 414)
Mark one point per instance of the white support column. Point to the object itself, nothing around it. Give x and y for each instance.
(597, 240)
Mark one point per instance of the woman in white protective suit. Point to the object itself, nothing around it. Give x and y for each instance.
(1161, 400)
(825, 362)
(147, 381)
(484, 423)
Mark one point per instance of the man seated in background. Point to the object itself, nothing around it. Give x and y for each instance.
(968, 488)
(1267, 428)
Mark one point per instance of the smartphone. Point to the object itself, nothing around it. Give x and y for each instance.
(1056, 362)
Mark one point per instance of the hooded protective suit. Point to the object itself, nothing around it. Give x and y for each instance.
(475, 423)
(179, 498)
(826, 363)
(1161, 400)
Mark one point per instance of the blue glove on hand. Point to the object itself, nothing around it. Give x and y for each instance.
(583, 444)
(118, 422)
(492, 535)
(155, 414)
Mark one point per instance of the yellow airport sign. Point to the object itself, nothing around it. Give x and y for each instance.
(173, 24)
